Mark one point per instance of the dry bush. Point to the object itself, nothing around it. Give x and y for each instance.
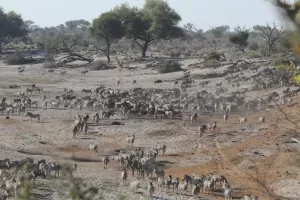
(253, 46)
(212, 64)
(212, 56)
(175, 54)
(18, 59)
(50, 65)
(169, 66)
(254, 54)
(99, 65)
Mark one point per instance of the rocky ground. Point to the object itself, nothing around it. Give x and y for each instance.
(260, 159)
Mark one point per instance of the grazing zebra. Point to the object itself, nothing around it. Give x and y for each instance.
(37, 116)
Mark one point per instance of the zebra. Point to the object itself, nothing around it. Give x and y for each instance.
(37, 116)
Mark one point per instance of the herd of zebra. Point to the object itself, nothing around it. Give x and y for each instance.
(103, 103)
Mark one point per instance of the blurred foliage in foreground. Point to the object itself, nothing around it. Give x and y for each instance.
(291, 12)
(291, 71)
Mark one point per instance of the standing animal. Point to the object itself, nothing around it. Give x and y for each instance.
(124, 176)
(226, 117)
(133, 82)
(250, 198)
(85, 127)
(20, 71)
(31, 115)
(175, 184)
(214, 126)
(227, 191)
(196, 191)
(183, 187)
(135, 185)
(262, 120)
(150, 190)
(201, 130)
(193, 118)
(242, 121)
(118, 82)
(75, 130)
(93, 148)
(130, 140)
(169, 182)
(159, 173)
(105, 161)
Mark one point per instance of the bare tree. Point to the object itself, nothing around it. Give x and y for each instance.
(271, 34)
(65, 44)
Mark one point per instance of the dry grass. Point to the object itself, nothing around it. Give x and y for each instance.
(158, 133)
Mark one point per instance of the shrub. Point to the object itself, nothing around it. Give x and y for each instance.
(254, 54)
(212, 63)
(187, 53)
(175, 54)
(50, 65)
(169, 66)
(212, 56)
(18, 59)
(253, 46)
(99, 65)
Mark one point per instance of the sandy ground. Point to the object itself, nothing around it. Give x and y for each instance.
(260, 160)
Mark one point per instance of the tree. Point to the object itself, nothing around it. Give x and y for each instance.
(65, 44)
(190, 27)
(155, 21)
(11, 26)
(77, 24)
(107, 27)
(240, 38)
(270, 34)
(219, 31)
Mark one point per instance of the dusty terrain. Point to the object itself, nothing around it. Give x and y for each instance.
(261, 160)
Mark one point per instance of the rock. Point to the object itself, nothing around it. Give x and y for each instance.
(7, 117)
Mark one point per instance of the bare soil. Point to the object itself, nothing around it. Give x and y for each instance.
(260, 160)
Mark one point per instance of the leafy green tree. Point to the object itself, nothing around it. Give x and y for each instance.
(11, 26)
(240, 38)
(108, 28)
(155, 21)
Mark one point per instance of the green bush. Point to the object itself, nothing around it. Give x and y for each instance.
(253, 46)
(18, 59)
(169, 66)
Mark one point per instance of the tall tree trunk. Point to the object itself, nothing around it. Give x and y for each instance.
(108, 55)
(144, 49)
